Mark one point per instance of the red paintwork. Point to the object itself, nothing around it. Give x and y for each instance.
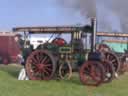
(8, 49)
(45, 65)
(59, 41)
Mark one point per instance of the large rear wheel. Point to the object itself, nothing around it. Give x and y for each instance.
(112, 57)
(40, 65)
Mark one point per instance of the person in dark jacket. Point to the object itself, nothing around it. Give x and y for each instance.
(19, 41)
(25, 50)
(28, 48)
(20, 44)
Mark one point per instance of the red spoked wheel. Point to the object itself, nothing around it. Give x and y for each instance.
(109, 71)
(40, 65)
(111, 57)
(59, 41)
(92, 73)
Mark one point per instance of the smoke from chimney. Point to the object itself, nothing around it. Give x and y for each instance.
(119, 7)
(87, 8)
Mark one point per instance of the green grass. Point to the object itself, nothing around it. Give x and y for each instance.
(10, 86)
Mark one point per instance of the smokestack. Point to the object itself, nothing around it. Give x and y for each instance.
(94, 30)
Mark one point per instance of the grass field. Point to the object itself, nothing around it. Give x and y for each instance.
(10, 86)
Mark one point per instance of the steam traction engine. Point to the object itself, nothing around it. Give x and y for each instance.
(59, 58)
(117, 48)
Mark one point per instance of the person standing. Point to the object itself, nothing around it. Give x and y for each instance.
(24, 53)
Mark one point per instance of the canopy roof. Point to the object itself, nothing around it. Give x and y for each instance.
(64, 29)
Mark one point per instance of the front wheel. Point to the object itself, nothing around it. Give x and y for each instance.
(92, 73)
(65, 70)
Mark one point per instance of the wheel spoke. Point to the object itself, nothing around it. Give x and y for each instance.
(111, 58)
(47, 65)
(47, 73)
(114, 60)
(95, 74)
(34, 60)
(48, 69)
(35, 69)
(44, 59)
(92, 71)
(108, 57)
(41, 56)
(37, 58)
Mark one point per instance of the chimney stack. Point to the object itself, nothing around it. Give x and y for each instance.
(93, 35)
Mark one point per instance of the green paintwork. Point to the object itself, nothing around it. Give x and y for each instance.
(117, 47)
